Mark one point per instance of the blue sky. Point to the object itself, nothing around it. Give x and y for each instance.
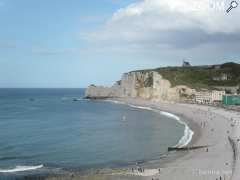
(73, 43)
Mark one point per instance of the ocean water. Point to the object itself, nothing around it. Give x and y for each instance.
(56, 128)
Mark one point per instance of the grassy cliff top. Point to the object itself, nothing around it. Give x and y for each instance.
(201, 76)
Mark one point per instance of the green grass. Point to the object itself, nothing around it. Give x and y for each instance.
(199, 77)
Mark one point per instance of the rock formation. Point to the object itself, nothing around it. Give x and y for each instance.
(142, 84)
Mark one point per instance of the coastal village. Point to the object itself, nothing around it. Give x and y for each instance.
(120, 90)
(227, 96)
(197, 93)
(217, 85)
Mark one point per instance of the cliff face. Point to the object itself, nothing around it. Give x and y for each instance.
(143, 84)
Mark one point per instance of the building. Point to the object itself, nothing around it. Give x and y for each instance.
(217, 96)
(203, 97)
(222, 77)
(228, 89)
(231, 99)
(186, 64)
(209, 97)
(217, 66)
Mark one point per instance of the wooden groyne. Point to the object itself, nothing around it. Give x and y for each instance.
(186, 148)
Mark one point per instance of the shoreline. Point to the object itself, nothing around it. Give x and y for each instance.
(196, 116)
(163, 162)
(31, 169)
(168, 157)
(212, 128)
(188, 130)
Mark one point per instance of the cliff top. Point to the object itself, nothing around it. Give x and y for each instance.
(209, 76)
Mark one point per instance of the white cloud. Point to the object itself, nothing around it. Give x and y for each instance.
(207, 15)
(171, 23)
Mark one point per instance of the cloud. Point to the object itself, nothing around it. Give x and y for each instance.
(170, 24)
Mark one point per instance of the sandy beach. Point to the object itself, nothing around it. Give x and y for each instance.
(215, 128)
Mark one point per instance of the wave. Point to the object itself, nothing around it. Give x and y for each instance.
(114, 101)
(141, 107)
(188, 133)
(187, 138)
(21, 169)
(171, 116)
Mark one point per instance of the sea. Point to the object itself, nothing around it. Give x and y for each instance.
(44, 130)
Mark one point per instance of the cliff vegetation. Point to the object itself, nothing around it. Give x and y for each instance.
(199, 77)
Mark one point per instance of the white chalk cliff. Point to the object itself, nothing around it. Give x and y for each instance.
(141, 84)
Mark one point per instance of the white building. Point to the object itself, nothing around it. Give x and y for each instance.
(203, 97)
(217, 95)
(207, 97)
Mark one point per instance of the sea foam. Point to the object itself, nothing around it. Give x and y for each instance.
(21, 169)
(188, 133)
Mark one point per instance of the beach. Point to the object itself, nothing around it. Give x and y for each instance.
(215, 129)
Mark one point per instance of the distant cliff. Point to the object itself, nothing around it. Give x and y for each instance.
(147, 85)
(170, 83)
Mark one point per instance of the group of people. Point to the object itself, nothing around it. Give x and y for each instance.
(139, 169)
(203, 124)
(220, 178)
(159, 171)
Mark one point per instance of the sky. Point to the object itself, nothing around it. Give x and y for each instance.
(74, 43)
